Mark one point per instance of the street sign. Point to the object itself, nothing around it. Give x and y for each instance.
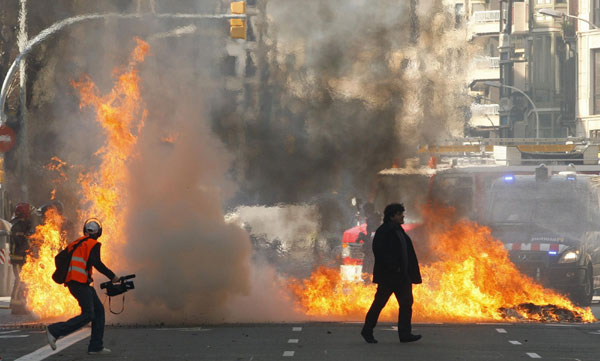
(7, 138)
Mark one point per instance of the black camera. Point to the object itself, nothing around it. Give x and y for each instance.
(114, 289)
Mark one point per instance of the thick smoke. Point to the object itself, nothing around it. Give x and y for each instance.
(343, 90)
(350, 87)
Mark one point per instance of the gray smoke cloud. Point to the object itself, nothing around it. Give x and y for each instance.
(343, 90)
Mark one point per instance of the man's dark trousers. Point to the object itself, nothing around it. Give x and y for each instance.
(91, 310)
(403, 293)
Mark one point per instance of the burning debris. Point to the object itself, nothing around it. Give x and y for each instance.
(468, 277)
(545, 313)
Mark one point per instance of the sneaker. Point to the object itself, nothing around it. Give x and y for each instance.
(410, 338)
(104, 351)
(51, 339)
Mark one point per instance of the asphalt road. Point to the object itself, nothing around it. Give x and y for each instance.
(317, 341)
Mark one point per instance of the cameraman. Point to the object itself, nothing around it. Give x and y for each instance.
(79, 277)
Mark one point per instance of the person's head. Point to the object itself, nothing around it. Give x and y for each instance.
(92, 228)
(394, 213)
(23, 210)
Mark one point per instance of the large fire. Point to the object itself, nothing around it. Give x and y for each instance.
(469, 279)
(104, 195)
(45, 298)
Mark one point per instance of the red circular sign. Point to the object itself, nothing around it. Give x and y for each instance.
(7, 138)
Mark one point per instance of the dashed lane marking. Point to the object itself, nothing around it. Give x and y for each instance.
(297, 329)
(288, 353)
(501, 330)
(61, 344)
(13, 336)
(533, 355)
(11, 331)
(515, 342)
(293, 340)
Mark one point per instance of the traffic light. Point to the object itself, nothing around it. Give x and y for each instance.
(237, 27)
(238, 7)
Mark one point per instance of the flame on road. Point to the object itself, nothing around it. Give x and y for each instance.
(104, 195)
(470, 278)
(45, 298)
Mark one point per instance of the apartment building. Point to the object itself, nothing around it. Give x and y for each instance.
(523, 81)
(588, 68)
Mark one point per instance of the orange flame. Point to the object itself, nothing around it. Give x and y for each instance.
(122, 116)
(45, 298)
(471, 279)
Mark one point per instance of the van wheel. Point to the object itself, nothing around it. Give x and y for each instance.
(585, 295)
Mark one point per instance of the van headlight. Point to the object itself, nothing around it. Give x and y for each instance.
(569, 256)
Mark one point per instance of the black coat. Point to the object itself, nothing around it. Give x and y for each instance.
(389, 267)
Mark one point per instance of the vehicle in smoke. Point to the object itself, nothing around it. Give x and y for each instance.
(459, 176)
(549, 225)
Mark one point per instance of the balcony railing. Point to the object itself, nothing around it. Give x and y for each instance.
(489, 16)
(486, 62)
(485, 109)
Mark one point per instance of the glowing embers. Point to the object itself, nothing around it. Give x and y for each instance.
(467, 277)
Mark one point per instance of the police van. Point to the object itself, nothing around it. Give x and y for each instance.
(550, 225)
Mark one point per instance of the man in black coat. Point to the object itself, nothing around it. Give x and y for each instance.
(396, 269)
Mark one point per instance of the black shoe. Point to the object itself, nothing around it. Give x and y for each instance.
(410, 338)
(368, 337)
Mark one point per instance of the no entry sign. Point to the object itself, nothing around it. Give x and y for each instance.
(7, 138)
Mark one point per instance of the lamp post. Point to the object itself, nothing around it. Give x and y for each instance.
(496, 84)
(559, 15)
(44, 34)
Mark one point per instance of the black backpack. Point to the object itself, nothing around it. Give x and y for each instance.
(62, 261)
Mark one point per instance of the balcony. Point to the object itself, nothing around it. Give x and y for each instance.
(484, 22)
(485, 115)
(484, 68)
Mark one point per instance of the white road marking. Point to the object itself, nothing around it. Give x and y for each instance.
(563, 324)
(297, 329)
(501, 330)
(293, 340)
(288, 353)
(533, 355)
(13, 336)
(61, 344)
(515, 342)
(595, 332)
(5, 332)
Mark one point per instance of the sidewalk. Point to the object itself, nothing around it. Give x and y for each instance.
(9, 320)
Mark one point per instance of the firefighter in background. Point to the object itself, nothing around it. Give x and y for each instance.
(79, 277)
(373, 220)
(20, 231)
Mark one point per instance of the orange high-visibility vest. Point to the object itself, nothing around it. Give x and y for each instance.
(78, 268)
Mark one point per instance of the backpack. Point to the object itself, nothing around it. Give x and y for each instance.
(62, 261)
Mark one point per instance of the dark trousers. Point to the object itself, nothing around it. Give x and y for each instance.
(403, 293)
(91, 310)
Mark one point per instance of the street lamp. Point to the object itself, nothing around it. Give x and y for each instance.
(559, 15)
(497, 84)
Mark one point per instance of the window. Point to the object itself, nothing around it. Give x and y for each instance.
(596, 79)
(596, 11)
(595, 133)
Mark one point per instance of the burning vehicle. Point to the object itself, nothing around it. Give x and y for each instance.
(549, 224)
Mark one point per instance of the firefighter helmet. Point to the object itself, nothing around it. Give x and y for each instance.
(23, 210)
(92, 228)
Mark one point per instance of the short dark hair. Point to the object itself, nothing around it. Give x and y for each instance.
(391, 210)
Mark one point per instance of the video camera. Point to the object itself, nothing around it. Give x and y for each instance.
(114, 289)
